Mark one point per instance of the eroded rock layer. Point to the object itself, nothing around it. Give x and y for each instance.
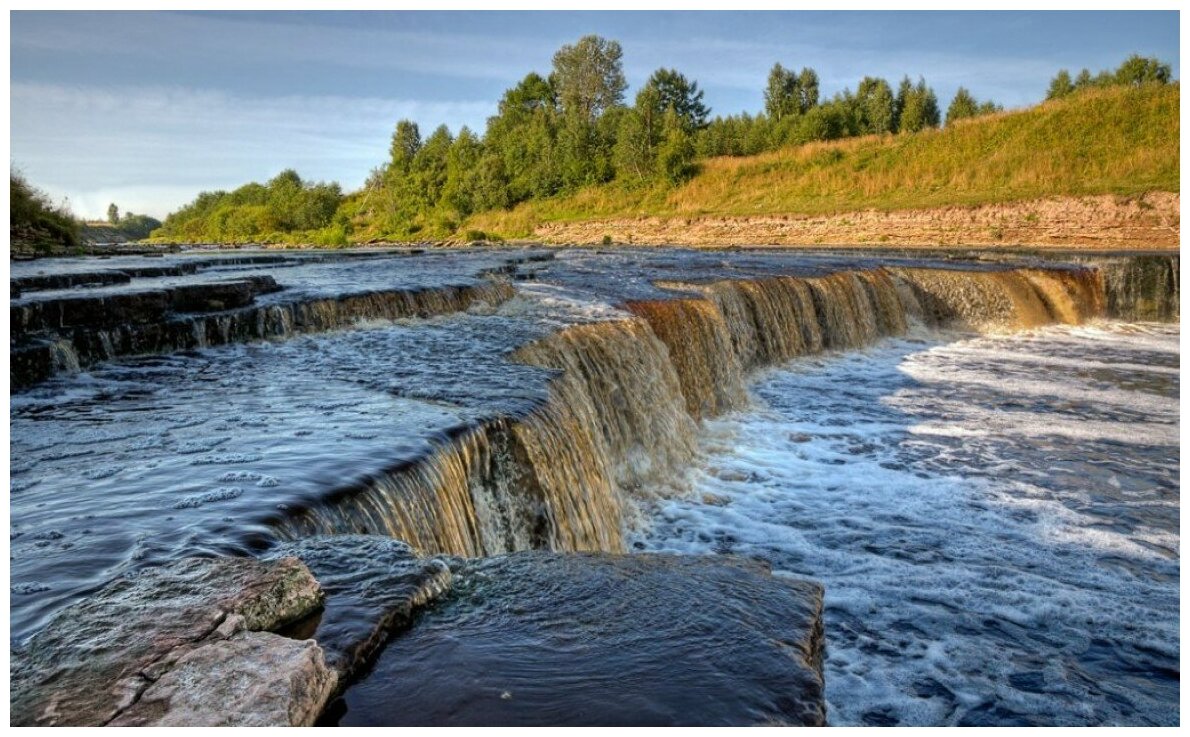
(621, 412)
(187, 643)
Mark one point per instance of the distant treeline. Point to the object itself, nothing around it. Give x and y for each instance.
(117, 227)
(554, 135)
(285, 204)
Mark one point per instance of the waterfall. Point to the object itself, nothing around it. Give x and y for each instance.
(619, 419)
(621, 415)
(614, 420)
(158, 333)
(1140, 288)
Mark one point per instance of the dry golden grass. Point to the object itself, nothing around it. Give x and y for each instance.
(1121, 140)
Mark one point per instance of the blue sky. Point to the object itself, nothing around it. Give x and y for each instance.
(148, 109)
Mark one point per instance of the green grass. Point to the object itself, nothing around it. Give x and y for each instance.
(1121, 140)
(35, 223)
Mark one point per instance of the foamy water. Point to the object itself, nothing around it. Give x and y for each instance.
(995, 520)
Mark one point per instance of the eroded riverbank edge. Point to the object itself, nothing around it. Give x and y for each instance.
(1111, 222)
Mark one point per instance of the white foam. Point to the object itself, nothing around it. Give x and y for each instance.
(975, 558)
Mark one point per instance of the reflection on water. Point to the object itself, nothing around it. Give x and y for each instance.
(995, 521)
(149, 459)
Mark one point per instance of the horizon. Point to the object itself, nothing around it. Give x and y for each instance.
(93, 121)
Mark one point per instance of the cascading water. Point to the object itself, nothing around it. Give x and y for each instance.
(994, 516)
(1141, 287)
(618, 426)
(476, 432)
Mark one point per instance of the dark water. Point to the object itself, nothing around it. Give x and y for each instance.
(142, 460)
(151, 459)
(540, 640)
(995, 521)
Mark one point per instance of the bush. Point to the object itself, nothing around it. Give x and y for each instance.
(335, 235)
(607, 240)
(475, 235)
(36, 222)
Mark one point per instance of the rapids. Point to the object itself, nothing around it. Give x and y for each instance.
(479, 402)
(995, 520)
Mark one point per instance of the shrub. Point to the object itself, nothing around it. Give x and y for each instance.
(37, 222)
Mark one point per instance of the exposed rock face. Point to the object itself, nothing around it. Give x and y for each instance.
(252, 679)
(373, 586)
(180, 636)
(596, 639)
(1099, 221)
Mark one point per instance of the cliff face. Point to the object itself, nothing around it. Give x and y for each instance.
(1150, 221)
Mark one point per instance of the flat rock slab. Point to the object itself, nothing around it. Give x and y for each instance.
(535, 639)
(98, 658)
(252, 679)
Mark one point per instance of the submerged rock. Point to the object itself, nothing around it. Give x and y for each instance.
(595, 639)
(373, 586)
(181, 636)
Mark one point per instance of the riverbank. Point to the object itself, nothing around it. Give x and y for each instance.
(1105, 222)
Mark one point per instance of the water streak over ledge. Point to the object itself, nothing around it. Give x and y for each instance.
(621, 415)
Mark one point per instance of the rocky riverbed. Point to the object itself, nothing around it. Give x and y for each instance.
(308, 475)
(527, 638)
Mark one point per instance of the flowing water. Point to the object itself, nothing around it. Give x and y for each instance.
(995, 520)
(969, 502)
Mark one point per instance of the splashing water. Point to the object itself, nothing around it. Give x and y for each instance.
(995, 520)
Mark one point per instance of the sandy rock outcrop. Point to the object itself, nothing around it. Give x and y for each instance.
(1105, 222)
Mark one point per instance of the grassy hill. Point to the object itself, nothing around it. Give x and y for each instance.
(36, 224)
(1117, 140)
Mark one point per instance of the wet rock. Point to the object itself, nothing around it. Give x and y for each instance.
(34, 282)
(212, 297)
(132, 307)
(597, 639)
(94, 329)
(30, 364)
(96, 658)
(263, 284)
(373, 587)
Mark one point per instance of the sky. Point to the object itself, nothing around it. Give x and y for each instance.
(146, 109)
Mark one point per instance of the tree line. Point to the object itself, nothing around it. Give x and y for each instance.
(285, 204)
(572, 128)
(1135, 70)
(131, 226)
